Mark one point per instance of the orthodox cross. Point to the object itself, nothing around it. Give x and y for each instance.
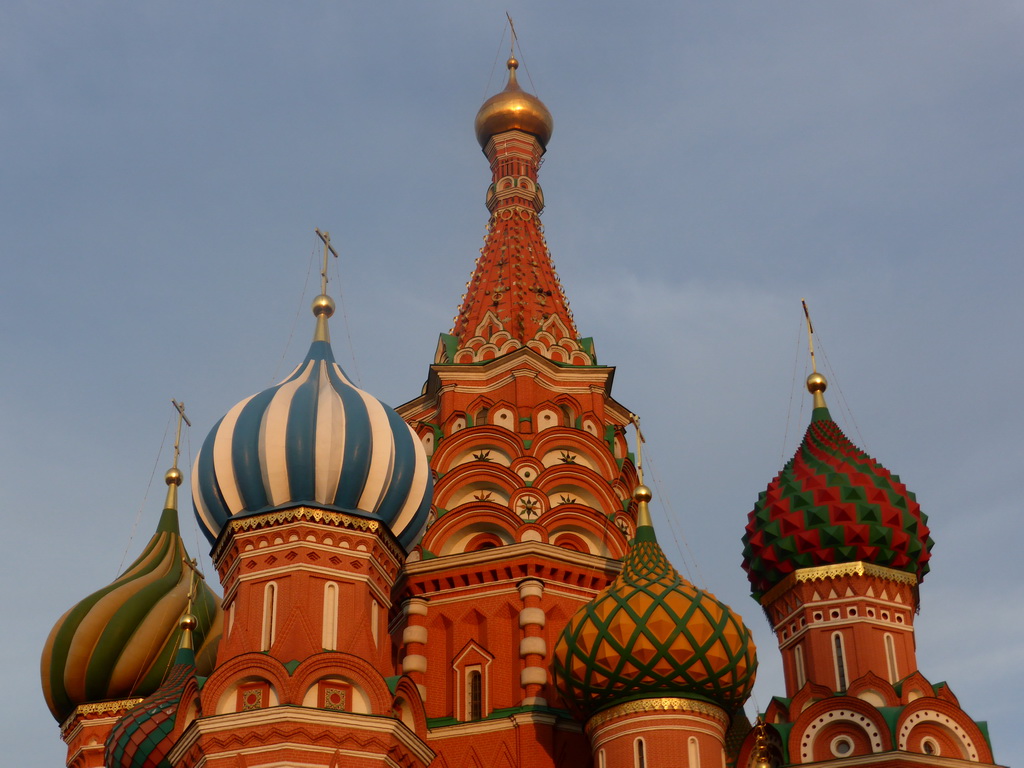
(328, 250)
(515, 38)
(193, 582)
(180, 408)
(810, 335)
(639, 447)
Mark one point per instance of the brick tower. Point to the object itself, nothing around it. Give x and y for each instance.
(835, 550)
(532, 509)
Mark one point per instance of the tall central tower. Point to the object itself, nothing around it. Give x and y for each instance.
(532, 505)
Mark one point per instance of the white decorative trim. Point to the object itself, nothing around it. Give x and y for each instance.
(534, 616)
(530, 645)
(533, 676)
(414, 662)
(931, 716)
(415, 634)
(809, 735)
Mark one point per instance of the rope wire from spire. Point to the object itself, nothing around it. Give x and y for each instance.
(145, 499)
(276, 375)
(682, 545)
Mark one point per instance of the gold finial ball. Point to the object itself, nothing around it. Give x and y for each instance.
(642, 493)
(513, 62)
(323, 305)
(816, 383)
(189, 622)
(173, 476)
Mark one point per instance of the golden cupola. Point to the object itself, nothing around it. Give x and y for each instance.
(514, 109)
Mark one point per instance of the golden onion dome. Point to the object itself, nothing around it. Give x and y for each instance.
(513, 109)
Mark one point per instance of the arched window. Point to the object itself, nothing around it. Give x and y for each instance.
(641, 753)
(330, 638)
(801, 670)
(890, 658)
(840, 661)
(693, 752)
(269, 616)
(474, 695)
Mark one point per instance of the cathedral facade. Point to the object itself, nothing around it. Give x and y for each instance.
(473, 579)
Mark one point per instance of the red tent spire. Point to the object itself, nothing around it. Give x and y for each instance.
(514, 297)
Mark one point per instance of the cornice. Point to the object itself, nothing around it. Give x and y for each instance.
(112, 707)
(340, 722)
(838, 570)
(304, 514)
(659, 704)
(510, 552)
(487, 369)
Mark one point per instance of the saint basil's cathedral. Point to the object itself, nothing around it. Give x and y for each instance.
(472, 580)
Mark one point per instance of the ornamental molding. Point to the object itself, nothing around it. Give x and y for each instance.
(114, 707)
(560, 374)
(813, 730)
(836, 571)
(305, 514)
(663, 704)
(218, 731)
(511, 557)
(927, 717)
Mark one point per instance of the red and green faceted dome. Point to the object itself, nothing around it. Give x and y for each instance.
(142, 738)
(832, 503)
(652, 633)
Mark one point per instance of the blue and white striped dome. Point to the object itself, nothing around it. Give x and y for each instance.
(314, 439)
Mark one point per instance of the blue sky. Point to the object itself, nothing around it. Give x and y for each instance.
(163, 168)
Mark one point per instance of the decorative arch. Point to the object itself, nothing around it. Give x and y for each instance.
(816, 730)
(602, 536)
(453, 533)
(407, 706)
(480, 437)
(368, 685)
(588, 487)
(873, 689)
(586, 443)
(455, 423)
(468, 483)
(951, 729)
(914, 686)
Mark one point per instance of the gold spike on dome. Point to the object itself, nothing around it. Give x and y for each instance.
(323, 305)
(642, 496)
(816, 385)
(174, 476)
(514, 109)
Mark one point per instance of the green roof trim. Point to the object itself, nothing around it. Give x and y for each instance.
(450, 344)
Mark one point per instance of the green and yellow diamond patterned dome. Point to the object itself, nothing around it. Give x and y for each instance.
(652, 633)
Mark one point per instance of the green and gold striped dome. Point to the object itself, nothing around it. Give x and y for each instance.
(652, 633)
(119, 642)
